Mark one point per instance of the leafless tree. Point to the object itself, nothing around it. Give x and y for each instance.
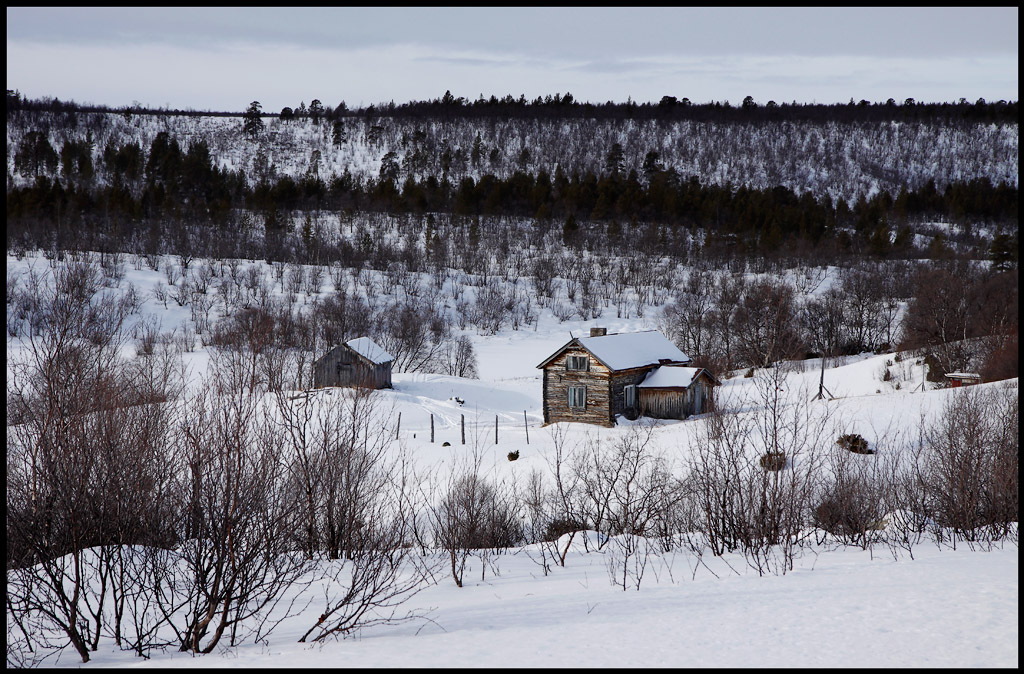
(458, 358)
(235, 562)
(84, 461)
(765, 325)
(686, 320)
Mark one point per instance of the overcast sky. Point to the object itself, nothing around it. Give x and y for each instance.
(223, 58)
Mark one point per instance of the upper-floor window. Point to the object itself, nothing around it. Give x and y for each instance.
(577, 363)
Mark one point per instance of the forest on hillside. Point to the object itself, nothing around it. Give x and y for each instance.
(823, 186)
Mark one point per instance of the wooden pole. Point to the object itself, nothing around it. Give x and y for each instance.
(431, 427)
(495, 429)
(462, 418)
(398, 426)
(527, 427)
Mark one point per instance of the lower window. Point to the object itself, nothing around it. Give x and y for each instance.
(578, 397)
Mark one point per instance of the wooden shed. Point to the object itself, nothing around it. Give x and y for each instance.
(676, 392)
(594, 379)
(357, 362)
(958, 379)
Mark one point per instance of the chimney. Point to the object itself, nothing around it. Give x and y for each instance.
(598, 332)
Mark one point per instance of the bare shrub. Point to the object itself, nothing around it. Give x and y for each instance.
(762, 513)
(474, 515)
(852, 501)
(236, 563)
(970, 464)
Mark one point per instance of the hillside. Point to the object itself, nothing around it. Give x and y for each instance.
(841, 159)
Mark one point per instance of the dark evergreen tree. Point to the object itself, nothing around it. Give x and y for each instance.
(615, 163)
(253, 120)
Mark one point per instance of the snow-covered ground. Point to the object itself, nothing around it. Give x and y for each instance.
(841, 607)
(838, 608)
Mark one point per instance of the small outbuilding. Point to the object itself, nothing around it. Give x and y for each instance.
(673, 392)
(958, 379)
(358, 362)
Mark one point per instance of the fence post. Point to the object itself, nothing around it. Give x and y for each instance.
(398, 426)
(495, 429)
(431, 427)
(462, 418)
(527, 427)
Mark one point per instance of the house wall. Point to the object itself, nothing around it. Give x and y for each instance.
(619, 381)
(360, 372)
(704, 389)
(557, 381)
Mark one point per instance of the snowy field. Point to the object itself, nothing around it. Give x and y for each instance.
(838, 607)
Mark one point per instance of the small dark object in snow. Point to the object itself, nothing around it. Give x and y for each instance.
(446, 444)
(512, 456)
(460, 401)
(855, 443)
(773, 461)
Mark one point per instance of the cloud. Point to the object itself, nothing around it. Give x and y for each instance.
(228, 74)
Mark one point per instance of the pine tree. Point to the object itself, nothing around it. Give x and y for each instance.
(316, 110)
(1004, 252)
(615, 162)
(253, 121)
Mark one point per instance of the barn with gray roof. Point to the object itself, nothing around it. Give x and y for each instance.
(357, 362)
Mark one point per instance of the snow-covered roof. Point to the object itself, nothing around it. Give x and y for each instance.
(633, 349)
(670, 377)
(964, 375)
(370, 350)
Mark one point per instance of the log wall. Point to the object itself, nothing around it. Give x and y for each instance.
(557, 380)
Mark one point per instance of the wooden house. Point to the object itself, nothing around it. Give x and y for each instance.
(357, 362)
(597, 378)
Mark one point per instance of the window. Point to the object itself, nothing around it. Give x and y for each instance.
(578, 397)
(630, 394)
(577, 363)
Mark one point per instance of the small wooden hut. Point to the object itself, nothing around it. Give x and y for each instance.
(958, 379)
(357, 362)
(672, 392)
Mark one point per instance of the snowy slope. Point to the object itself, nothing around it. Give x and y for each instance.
(837, 608)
